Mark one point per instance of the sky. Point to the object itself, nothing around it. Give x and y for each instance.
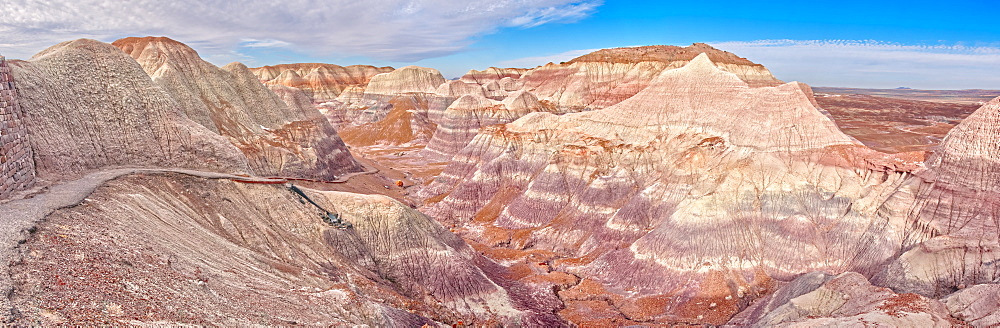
(866, 44)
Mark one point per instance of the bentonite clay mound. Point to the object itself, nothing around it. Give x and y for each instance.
(692, 204)
(175, 249)
(277, 139)
(492, 74)
(90, 106)
(321, 82)
(405, 80)
(648, 186)
(848, 299)
(606, 77)
(954, 209)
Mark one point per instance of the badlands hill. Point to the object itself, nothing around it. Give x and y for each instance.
(89, 106)
(415, 108)
(321, 82)
(697, 208)
(606, 77)
(647, 186)
(149, 209)
(277, 139)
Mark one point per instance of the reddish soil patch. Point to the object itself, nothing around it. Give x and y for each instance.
(970, 96)
(399, 126)
(894, 125)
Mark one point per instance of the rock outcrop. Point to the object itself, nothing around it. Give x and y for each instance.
(462, 120)
(405, 122)
(606, 77)
(321, 82)
(17, 167)
(276, 138)
(147, 249)
(409, 79)
(458, 88)
(412, 87)
(750, 72)
(691, 189)
(634, 186)
(848, 299)
(89, 106)
(954, 209)
(976, 305)
(492, 74)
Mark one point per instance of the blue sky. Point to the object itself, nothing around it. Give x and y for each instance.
(931, 45)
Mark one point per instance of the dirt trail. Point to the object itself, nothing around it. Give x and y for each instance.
(19, 216)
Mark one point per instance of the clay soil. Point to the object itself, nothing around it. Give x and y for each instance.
(973, 96)
(891, 125)
(894, 125)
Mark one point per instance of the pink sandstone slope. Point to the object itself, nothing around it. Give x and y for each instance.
(321, 82)
(606, 77)
(89, 106)
(276, 138)
(954, 209)
(171, 249)
(690, 191)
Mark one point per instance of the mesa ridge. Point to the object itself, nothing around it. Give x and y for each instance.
(642, 186)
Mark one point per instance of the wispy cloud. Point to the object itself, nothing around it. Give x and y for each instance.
(568, 13)
(400, 30)
(251, 43)
(529, 62)
(875, 64)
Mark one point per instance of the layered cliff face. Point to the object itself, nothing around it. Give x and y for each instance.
(691, 203)
(405, 122)
(89, 106)
(606, 77)
(954, 209)
(17, 167)
(462, 120)
(321, 82)
(409, 79)
(276, 138)
(819, 300)
(170, 249)
(373, 102)
(492, 74)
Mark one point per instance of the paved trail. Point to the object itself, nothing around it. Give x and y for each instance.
(18, 216)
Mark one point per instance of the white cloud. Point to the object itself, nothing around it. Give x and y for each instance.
(251, 43)
(570, 13)
(529, 62)
(874, 64)
(401, 30)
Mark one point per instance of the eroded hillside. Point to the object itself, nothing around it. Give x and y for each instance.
(650, 186)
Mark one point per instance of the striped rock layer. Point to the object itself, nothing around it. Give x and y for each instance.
(606, 77)
(17, 165)
(397, 105)
(681, 204)
(462, 120)
(954, 212)
(171, 249)
(592, 81)
(320, 82)
(492, 74)
(90, 106)
(276, 138)
(848, 299)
